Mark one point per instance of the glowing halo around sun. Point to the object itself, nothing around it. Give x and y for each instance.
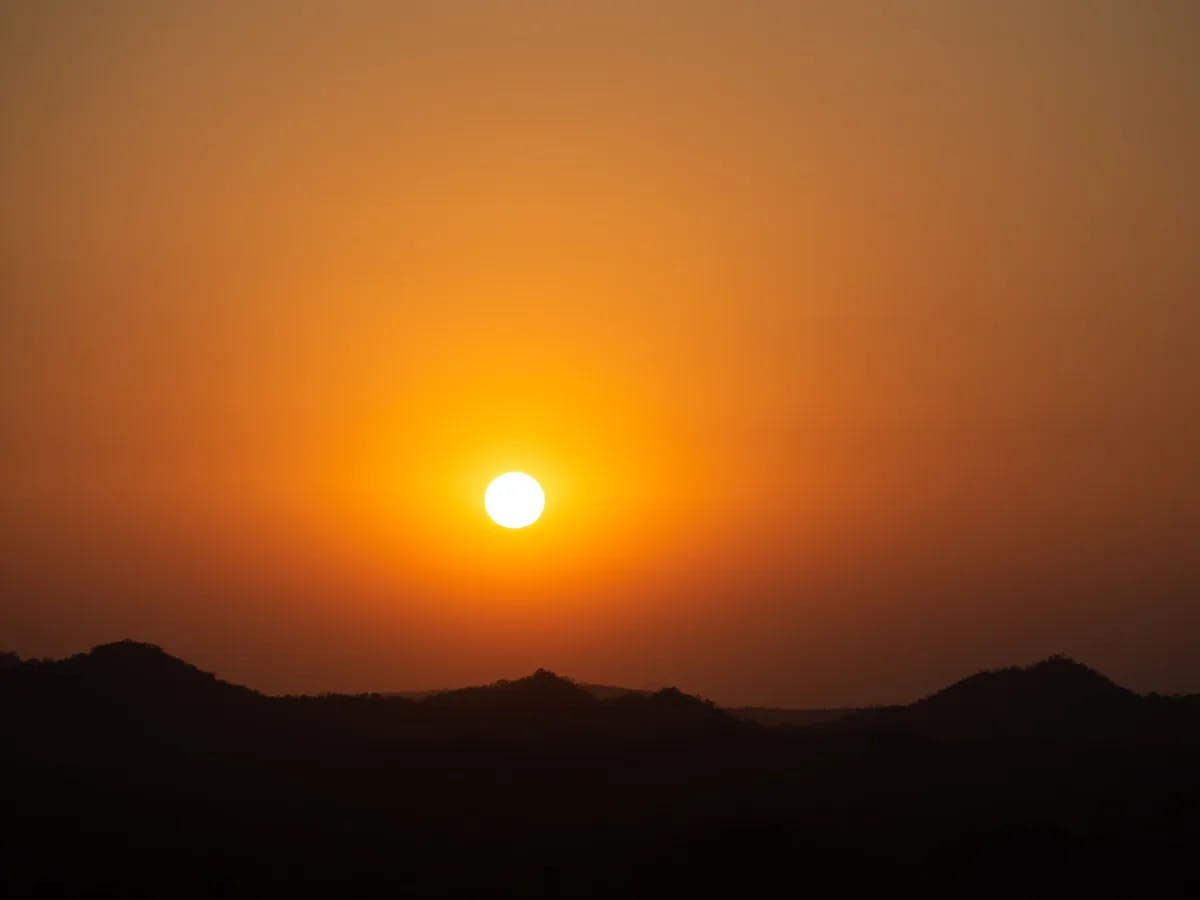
(514, 500)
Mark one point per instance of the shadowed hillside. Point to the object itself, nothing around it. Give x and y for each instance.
(134, 774)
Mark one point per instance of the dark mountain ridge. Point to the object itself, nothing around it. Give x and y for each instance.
(130, 773)
(1055, 697)
(136, 691)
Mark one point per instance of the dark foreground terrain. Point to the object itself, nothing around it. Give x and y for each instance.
(128, 773)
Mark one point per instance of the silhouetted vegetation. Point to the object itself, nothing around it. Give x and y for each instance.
(128, 773)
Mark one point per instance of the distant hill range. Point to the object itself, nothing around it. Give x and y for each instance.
(127, 772)
(1056, 698)
(135, 693)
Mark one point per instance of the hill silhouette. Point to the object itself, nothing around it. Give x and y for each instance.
(543, 693)
(129, 669)
(1056, 698)
(134, 774)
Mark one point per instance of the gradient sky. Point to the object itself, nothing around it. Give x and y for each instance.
(857, 345)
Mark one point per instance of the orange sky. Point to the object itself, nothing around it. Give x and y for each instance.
(855, 344)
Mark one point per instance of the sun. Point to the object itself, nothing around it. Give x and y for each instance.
(514, 500)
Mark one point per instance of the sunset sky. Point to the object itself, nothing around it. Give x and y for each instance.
(855, 345)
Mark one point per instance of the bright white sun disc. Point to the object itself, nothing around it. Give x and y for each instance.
(514, 500)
